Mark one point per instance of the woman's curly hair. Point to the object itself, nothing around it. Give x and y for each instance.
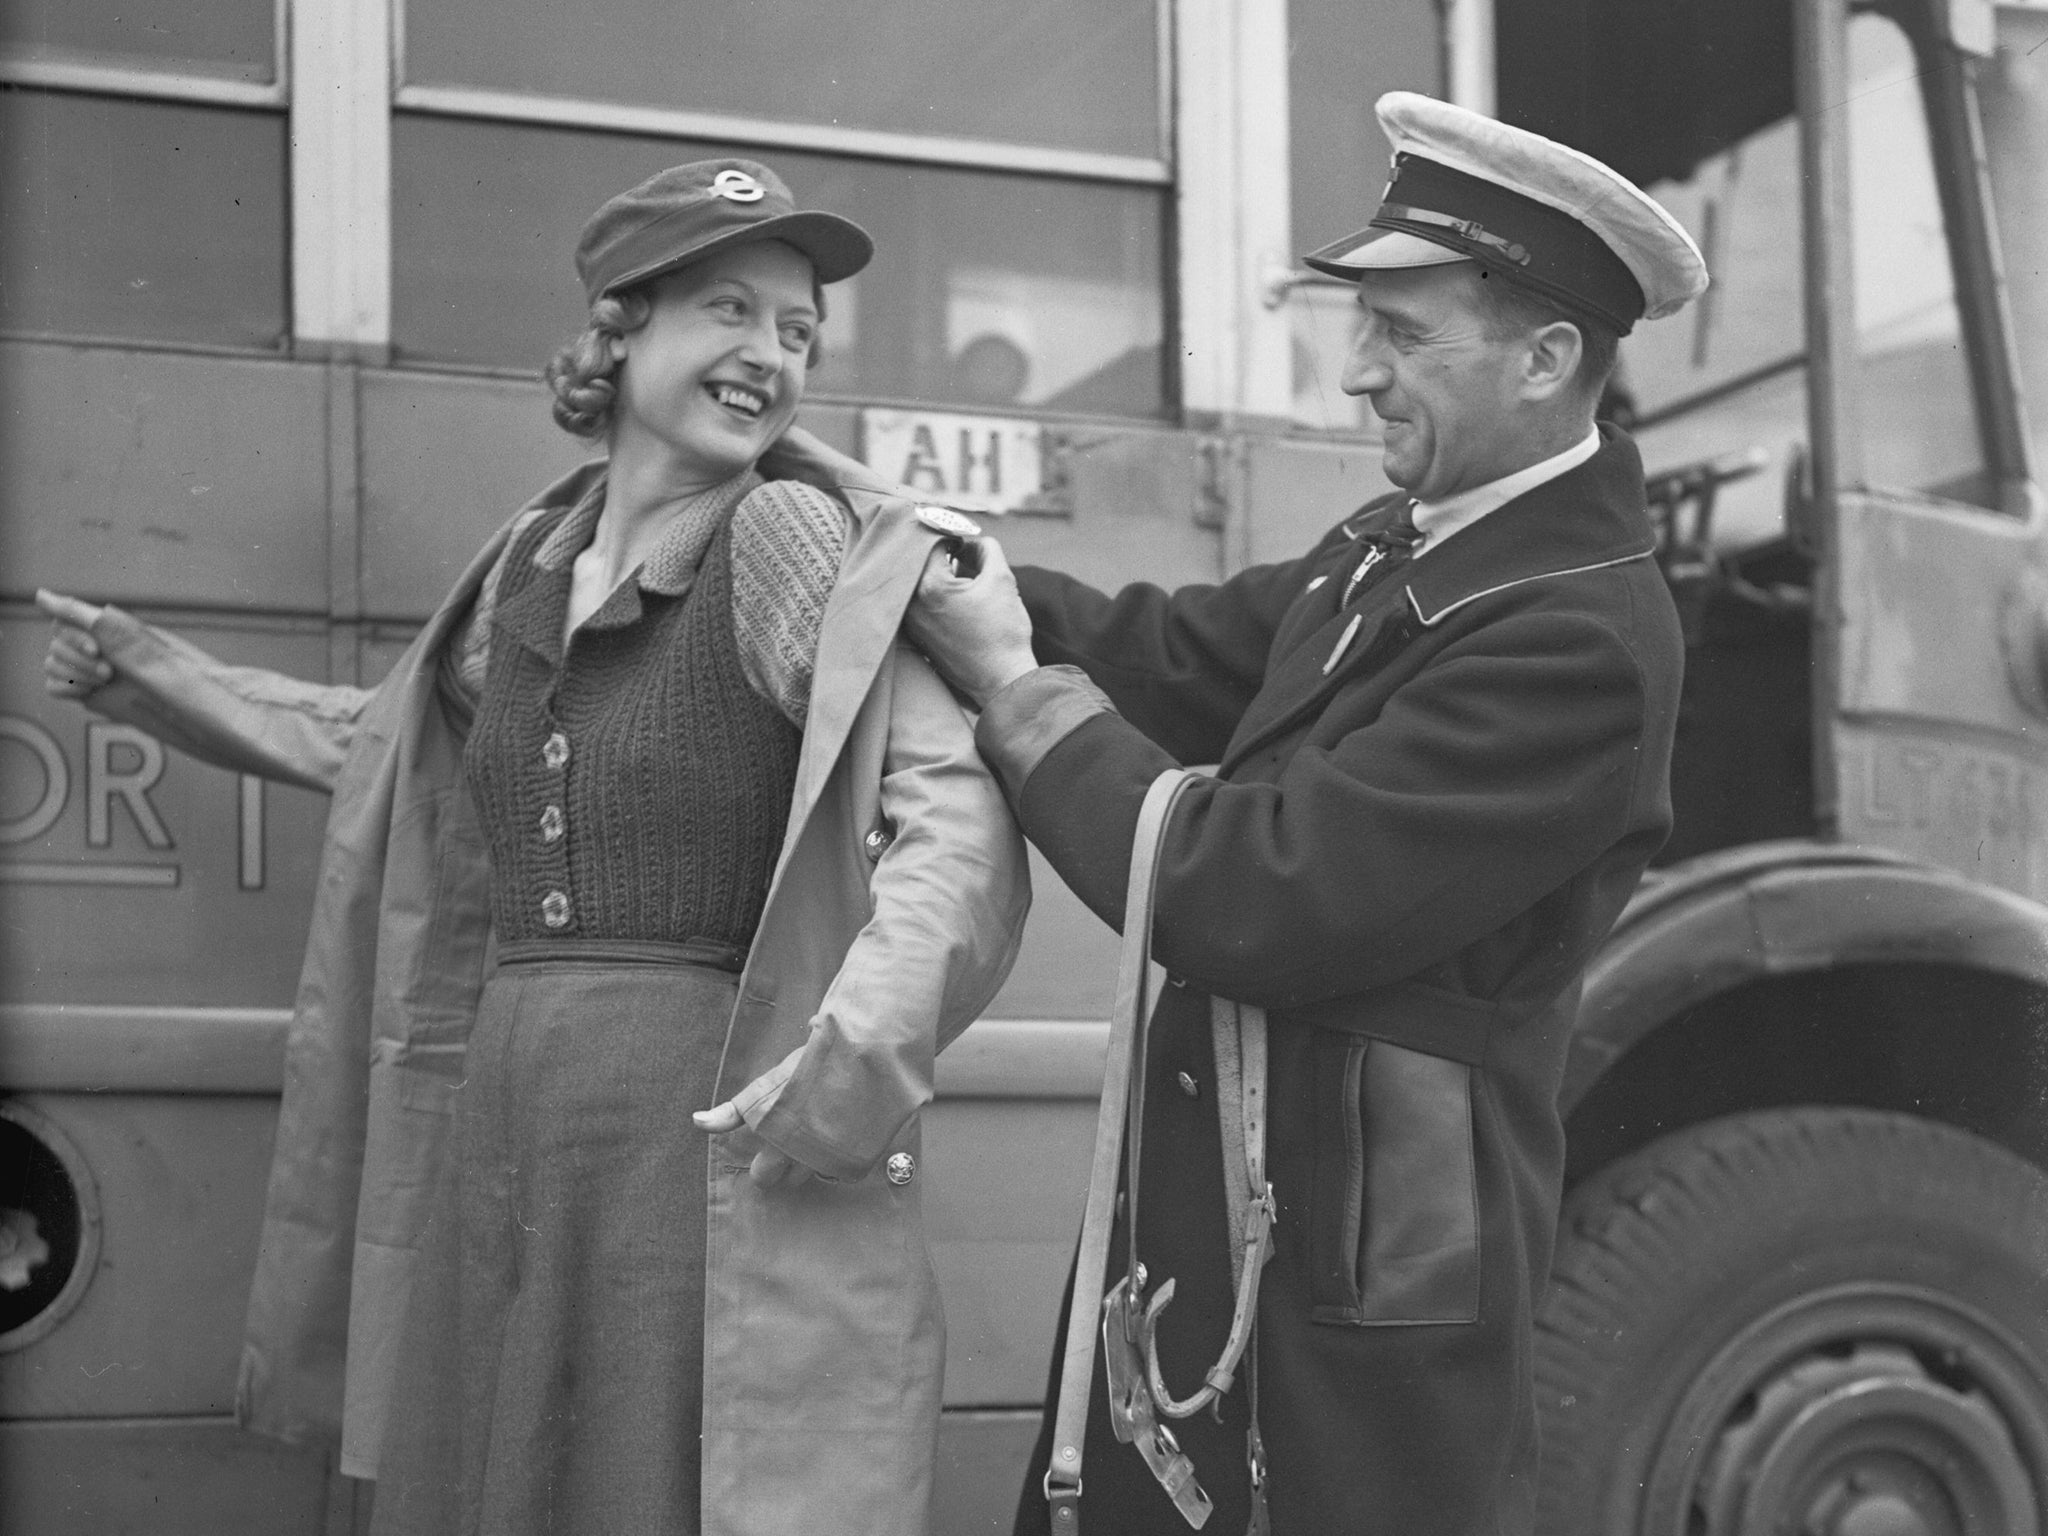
(584, 374)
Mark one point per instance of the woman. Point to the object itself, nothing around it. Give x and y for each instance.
(729, 845)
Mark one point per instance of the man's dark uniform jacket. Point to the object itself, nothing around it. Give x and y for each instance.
(1407, 858)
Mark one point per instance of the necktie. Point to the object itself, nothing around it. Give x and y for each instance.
(1385, 550)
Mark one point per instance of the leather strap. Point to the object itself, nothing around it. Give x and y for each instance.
(1126, 1044)
(1239, 1033)
(1260, 1522)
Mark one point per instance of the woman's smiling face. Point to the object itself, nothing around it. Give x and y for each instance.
(718, 370)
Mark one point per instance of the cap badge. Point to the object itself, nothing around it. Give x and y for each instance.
(946, 521)
(737, 186)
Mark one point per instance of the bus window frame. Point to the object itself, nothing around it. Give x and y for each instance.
(1955, 142)
(144, 82)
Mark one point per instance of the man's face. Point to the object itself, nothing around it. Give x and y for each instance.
(1445, 390)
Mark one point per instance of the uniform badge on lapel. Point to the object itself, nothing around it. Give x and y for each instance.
(1395, 631)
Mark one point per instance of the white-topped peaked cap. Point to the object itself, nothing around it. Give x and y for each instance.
(1541, 214)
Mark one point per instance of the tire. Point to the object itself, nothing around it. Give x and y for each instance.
(1802, 1322)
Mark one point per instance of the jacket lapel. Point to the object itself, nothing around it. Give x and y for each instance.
(1587, 518)
(1335, 651)
(1318, 601)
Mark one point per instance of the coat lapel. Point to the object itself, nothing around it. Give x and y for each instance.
(877, 578)
(1587, 518)
(1330, 655)
(1318, 601)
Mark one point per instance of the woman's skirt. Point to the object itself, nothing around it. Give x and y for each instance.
(552, 1379)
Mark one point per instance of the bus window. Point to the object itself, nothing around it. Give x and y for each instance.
(1724, 380)
(1010, 162)
(1066, 74)
(142, 167)
(217, 39)
(988, 288)
(141, 220)
(1919, 425)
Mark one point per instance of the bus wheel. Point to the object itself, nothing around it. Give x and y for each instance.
(1800, 1322)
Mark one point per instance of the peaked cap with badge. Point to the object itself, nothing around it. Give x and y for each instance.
(688, 212)
(1539, 214)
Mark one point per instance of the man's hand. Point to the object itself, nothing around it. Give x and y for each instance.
(769, 1167)
(974, 629)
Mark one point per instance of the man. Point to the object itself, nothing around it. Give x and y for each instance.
(1444, 737)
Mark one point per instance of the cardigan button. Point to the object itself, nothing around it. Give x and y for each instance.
(555, 752)
(1189, 1086)
(551, 824)
(876, 843)
(554, 909)
(900, 1169)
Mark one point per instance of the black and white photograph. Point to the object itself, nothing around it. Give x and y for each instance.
(948, 768)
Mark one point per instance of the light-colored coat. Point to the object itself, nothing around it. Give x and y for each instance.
(824, 1339)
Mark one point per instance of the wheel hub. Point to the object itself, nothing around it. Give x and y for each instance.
(1867, 1443)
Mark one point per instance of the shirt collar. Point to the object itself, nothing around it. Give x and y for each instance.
(1585, 519)
(1438, 520)
(670, 568)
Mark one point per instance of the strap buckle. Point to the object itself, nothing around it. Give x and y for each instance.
(1123, 1364)
(1065, 1506)
(1131, 1415)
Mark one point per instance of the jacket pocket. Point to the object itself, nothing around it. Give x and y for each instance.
(1394, 1204)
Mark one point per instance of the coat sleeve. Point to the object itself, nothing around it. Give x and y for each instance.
(245, 719)
(1181, 666)
(1489, 780)
(950, 894)
(253, 720)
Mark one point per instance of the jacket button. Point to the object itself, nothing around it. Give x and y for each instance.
(877, 842)
(1188, 1086)
(900, 1169)
(554, 909)
(555, 752)
(551, 824)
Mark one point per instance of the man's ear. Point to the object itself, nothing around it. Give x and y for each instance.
(1553, 360)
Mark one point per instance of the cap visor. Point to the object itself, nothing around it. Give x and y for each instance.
(837, 247)
(1374, 250)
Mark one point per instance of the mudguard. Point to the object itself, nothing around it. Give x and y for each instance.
(1773, 909)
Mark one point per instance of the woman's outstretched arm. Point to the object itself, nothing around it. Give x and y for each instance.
(245, 719)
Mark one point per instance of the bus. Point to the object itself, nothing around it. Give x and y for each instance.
(276, 279)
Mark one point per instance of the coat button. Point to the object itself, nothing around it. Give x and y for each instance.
(554, 909)
(877, 842)
(551, 824)
(555, 752)
(900, 1169)
(1188, 1085)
